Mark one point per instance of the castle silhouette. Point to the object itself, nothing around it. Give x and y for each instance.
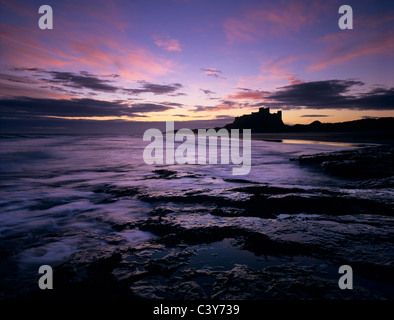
(260, 121)
(264, 121)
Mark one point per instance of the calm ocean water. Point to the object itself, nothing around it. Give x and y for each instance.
(67, 194)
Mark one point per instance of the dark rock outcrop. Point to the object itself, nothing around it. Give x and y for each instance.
(363, 163)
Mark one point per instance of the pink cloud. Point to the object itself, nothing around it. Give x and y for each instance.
(13, 54)
(278, 70)
(94, 40)
(371, 37)
(275, 72)
(247, 95)
(167, 43)
(102, 12)
(279, 18)
(339, 54)
(59, 48)
(293, 79)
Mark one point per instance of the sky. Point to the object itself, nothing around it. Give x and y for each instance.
(196, 62)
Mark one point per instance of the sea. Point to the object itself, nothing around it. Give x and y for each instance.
(112, 226)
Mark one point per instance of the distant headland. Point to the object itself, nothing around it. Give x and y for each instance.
(263, 121)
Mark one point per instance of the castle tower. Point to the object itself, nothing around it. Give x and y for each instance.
(264, 111)
(261, 121)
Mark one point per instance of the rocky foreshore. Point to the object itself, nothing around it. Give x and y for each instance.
(247, 241)
(363, 163)
(269, 242)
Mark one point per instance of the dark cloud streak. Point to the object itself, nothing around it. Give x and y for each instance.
(23, 107)
(156, 89)
(212, 72)
(80, 81)
(207, 91)
(148, 107)
(86, 80)
(329, 94)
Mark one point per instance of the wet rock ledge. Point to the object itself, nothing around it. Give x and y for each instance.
(364, 163)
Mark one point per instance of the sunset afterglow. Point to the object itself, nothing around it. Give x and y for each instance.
(183, 60)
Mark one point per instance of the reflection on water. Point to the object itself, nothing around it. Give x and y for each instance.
(328, 143)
